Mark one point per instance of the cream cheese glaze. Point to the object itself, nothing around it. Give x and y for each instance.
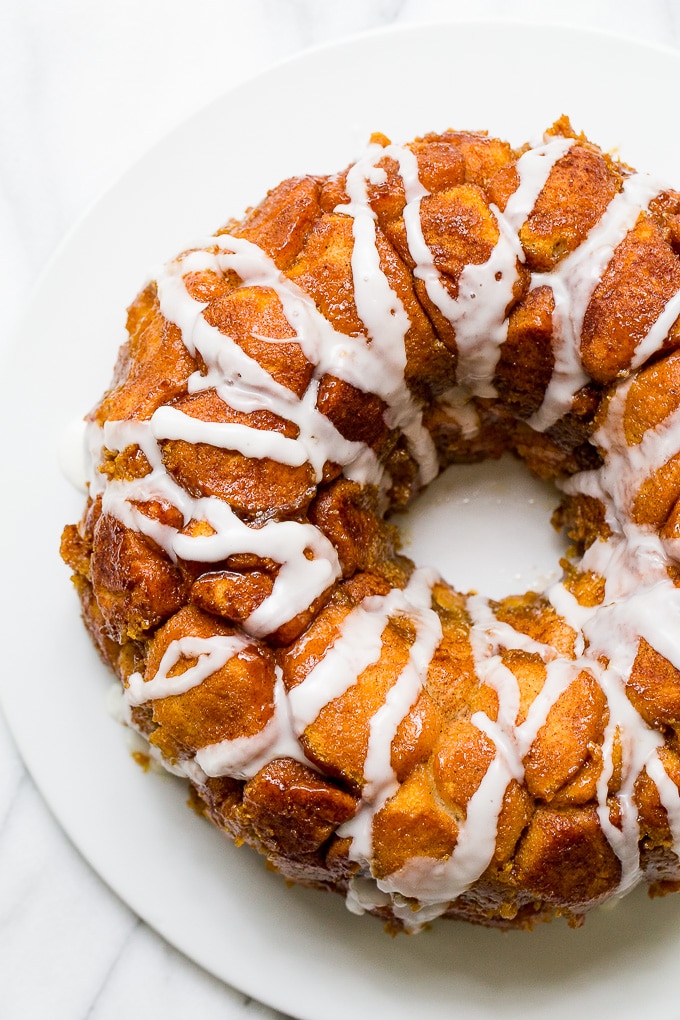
(639, 599)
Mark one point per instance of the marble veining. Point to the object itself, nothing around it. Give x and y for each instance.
(75, 80)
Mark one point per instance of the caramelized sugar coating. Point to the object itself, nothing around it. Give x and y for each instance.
(283, 390)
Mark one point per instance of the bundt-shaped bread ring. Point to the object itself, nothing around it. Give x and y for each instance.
(291, 382)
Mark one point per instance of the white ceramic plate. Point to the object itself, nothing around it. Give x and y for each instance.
(299, 951)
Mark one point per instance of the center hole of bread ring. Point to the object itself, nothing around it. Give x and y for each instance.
(486, 528)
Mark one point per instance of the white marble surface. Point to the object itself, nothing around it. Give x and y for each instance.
(85, 89)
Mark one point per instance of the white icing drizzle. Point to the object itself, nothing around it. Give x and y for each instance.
(573, 281)
(484, 293)
(658, 332)
(239, 757)
(289, 542)
(211, 655)
(301, 577)
(640, 600)
(380, 780)
(357, 646)
(171, 423)
(378, 772)
(241, 381)
(380, 308)
(638, 743)
(243, 757)
(533, 168)
(438, 883)
(458, 408)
